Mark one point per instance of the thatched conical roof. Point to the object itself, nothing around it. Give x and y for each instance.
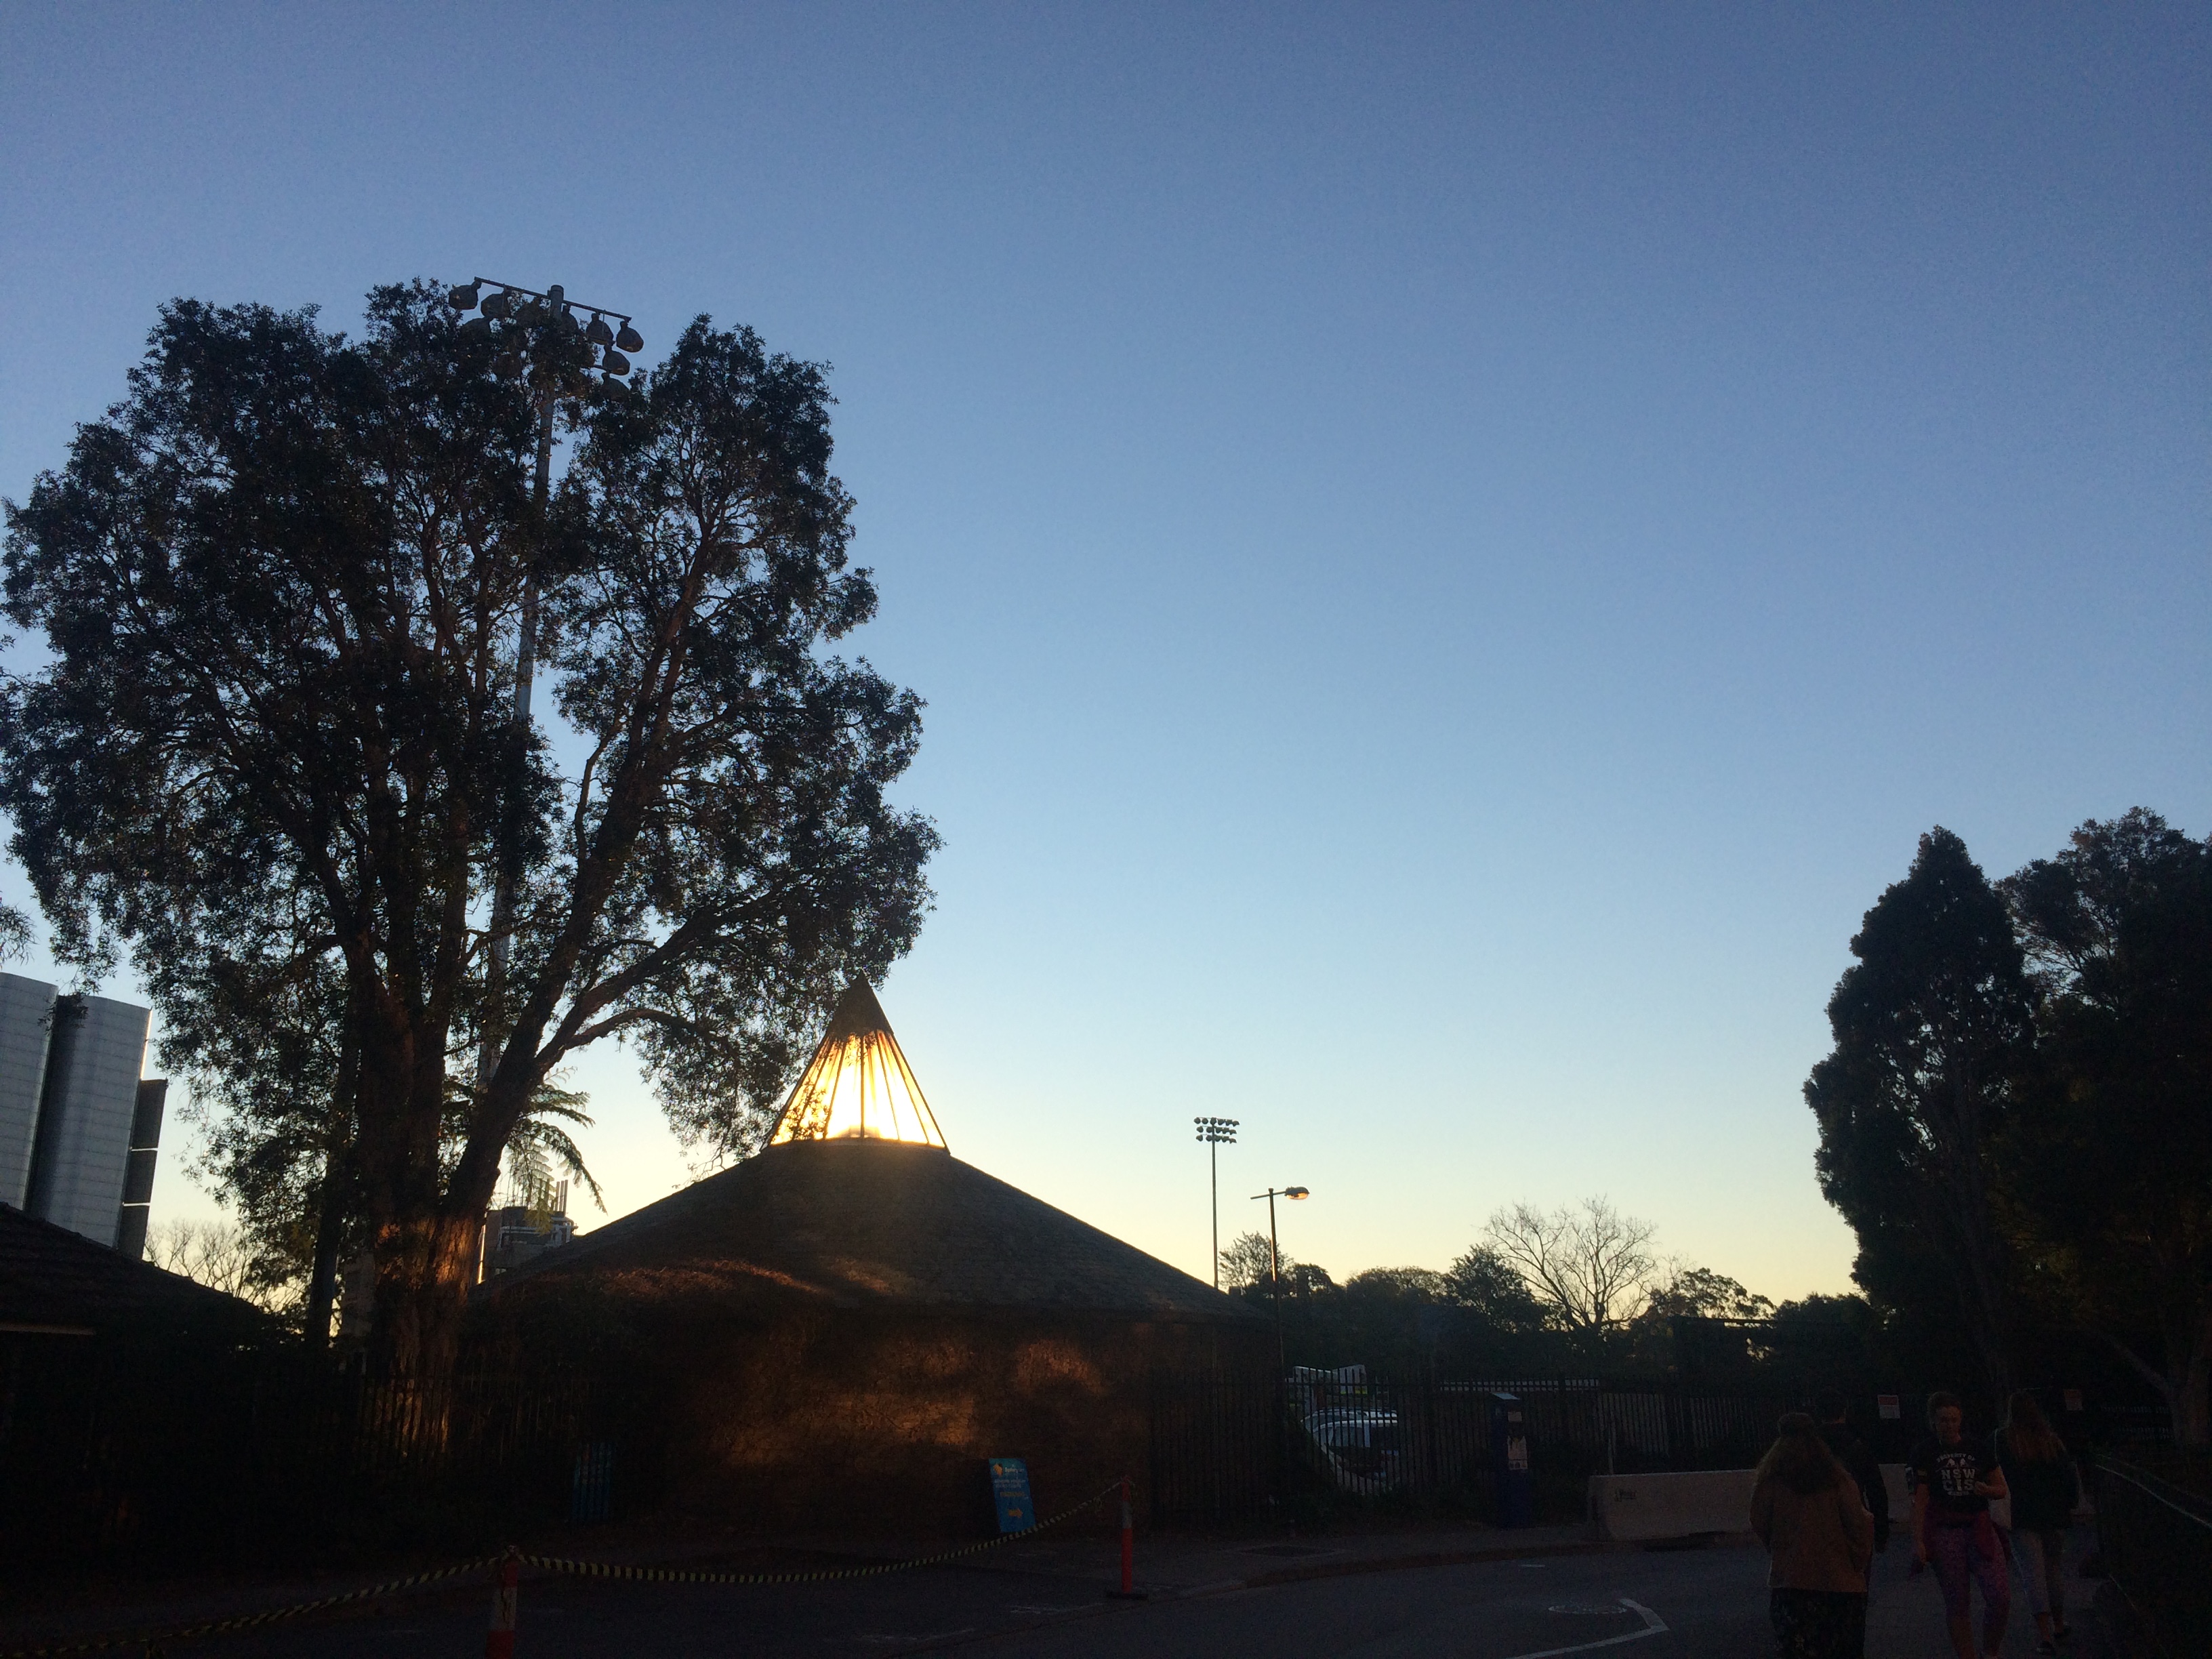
(856, 1222)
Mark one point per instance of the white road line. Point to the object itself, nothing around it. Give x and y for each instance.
(1653, 1624)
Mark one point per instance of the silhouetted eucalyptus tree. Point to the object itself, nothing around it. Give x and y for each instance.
(2110, 1160)
(279, 583)
(1931, 1026)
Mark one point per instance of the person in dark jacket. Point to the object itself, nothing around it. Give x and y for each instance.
(2045, 1490)
(1856, 1456)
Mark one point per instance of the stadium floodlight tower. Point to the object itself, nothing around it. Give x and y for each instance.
(1216, 1133)
(538, 339)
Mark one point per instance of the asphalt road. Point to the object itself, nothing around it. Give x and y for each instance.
(1708, 1602)
(1628, 1604)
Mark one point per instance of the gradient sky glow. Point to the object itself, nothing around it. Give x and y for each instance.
(1451, 551)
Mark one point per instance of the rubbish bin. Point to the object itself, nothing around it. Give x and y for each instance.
(1509, 1461)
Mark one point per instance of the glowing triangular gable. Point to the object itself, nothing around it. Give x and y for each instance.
(857, 1086)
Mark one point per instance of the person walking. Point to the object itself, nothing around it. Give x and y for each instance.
(1807, 1510)
(2044, 1489)
(1952, 1481)
(1857, 1457)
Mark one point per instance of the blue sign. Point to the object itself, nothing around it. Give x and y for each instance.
(1010, 1490)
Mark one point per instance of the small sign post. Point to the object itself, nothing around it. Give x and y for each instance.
(1009, 1493)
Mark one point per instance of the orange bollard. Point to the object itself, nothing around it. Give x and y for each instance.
(1128, 1592)
(1129, 1542)
(499, 1644)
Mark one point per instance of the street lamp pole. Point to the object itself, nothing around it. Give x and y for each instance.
(1274, 1258)
(541, 338)
(1216, 1133)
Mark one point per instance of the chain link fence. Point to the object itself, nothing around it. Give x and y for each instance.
(107, 1447)
(1228, 1447)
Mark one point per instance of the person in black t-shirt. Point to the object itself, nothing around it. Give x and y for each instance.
(1952, 1481)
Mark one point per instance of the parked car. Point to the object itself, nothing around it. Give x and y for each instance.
(1361, 1448)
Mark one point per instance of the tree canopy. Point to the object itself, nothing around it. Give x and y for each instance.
(2108, 1165)
(2017, 1117)
(1589, 1265)
(271, 747)
(1932, 1023)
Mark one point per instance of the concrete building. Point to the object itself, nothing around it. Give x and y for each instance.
(524, 1228)
(27, 1007)
(79, 1128)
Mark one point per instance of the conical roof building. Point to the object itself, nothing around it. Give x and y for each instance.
(856, 1316)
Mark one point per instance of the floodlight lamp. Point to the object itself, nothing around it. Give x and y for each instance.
(629, 339)
(463, 298)
(477, 328)
(614, 362)
(598, 333)
(499, 305)
(1294, 1192)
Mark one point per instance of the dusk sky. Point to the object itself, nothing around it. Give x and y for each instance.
(1451, 552)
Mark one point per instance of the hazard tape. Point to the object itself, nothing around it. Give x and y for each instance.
(680, 1576)
(151, 1640)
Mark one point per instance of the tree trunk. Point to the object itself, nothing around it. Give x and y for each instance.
(1962, 1247)
(2184, 1382)
(323, 1286)
(2190, 1399)
(330, 1222)
(424, 1267)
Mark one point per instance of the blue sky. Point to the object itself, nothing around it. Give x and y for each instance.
(1451, 551)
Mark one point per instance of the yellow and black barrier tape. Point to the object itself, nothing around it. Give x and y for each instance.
(151, 1642)
(685, 1576)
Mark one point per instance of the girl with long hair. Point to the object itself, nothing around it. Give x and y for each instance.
(1807, 1510)
(2045, 1490)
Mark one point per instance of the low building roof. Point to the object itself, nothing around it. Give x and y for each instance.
(54, 1282)
(856, 1222)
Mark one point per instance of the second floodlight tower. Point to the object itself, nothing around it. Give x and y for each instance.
(1216, 1133)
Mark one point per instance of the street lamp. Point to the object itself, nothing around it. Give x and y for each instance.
(1216, 1133)
(1274, 1257)
(539, 337)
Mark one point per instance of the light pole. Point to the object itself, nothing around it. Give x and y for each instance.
(1216, 1133)
(1274, 1258)
(540, 338)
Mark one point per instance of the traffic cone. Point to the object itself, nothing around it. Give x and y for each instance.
(1128, 1592)
(499, 1642)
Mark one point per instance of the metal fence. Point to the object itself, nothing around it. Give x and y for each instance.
(2155, 1537)
(1228, 1447)
(106, 1447)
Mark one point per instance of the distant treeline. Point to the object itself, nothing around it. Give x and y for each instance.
(2016, 1120)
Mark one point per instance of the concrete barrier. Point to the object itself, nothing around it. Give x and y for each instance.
(1632, 1507)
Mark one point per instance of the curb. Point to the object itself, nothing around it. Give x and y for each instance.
(1466, 1557)
(1426, 1559)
